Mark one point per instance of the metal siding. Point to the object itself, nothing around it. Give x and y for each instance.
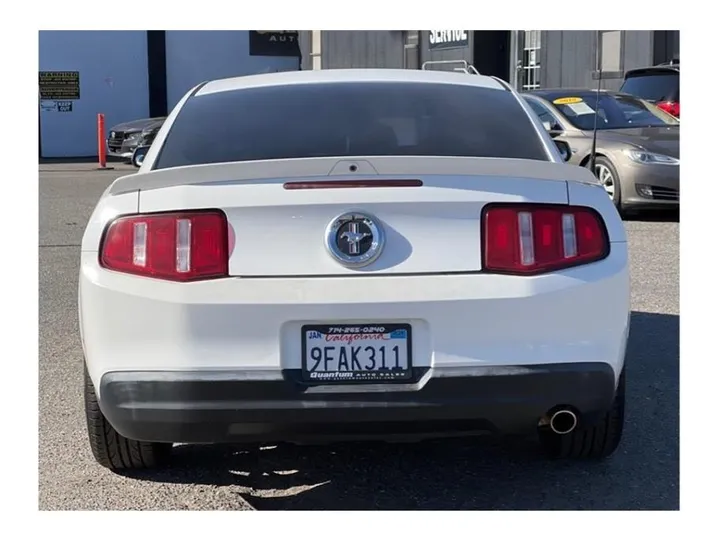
(551, 65)
(638, 49)
(305, 43)
(326, 52)
(578, 58)
(673, 48)
(569, 57)
(666, 45)
(362, 49)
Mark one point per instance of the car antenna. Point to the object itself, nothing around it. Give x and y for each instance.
(597, 109)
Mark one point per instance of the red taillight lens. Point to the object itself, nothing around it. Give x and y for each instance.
(183, 246)
(531, 239)
(671, 107)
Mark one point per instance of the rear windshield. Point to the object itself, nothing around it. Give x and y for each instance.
(658, 86)
(350, 119)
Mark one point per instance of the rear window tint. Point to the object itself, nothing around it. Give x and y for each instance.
(653, 86)
(350, 119)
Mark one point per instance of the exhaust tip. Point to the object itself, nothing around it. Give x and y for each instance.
(563, 421)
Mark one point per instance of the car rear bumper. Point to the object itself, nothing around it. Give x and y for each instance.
(272, 406)
(219, 360)
(132, 323)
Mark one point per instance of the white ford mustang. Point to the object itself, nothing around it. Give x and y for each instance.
(353, 253)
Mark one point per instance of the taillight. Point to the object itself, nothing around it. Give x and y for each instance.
(670, 107)
(182, 246)
(531, 239)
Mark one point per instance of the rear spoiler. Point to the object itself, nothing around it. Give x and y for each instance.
(654, 69)
(367, 167)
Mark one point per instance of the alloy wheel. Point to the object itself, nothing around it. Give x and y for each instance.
(606, 178)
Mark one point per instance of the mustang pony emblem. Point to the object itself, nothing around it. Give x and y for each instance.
(353, 237)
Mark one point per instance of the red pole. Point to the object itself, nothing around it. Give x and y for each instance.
(102, 157)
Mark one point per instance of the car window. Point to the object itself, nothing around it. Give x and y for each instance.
(660, 86)
(614, 112)
(350, 119)
(542, 111)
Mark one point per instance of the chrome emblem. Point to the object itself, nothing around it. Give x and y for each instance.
(112, 134)
(355, 239)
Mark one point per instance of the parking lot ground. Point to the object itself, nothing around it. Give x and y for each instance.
(447, 474)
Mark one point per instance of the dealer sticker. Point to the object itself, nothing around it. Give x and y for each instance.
(567, 100)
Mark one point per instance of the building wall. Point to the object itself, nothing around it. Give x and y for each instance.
(666, 46)
(570, 58)
(377, 49)
(195, 56)
(113, 80)
(567, 58)
(362, 49)
(305, 43)
(122, 77)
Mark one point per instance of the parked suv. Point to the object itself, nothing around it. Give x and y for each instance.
(659, 85)
(123, 139)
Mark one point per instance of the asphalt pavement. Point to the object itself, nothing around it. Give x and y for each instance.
(478, 474)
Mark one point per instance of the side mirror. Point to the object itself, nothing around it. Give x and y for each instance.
(564, 149)
(139, 155)
(553, 129)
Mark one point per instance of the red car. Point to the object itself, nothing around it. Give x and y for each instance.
(659, 85)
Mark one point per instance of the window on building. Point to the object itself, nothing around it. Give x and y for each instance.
(531, 60)
(610, 51)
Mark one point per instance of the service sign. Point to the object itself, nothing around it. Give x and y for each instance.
(274, 43)
(448, 39)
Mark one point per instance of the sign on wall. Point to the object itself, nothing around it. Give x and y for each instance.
(448, 39)
(274, 43)
(56, 106)
(59, 85)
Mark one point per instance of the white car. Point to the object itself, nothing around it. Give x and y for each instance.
(323, 255)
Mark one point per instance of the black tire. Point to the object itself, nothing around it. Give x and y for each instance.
(617, 194)
(112, 450)
(592, 442)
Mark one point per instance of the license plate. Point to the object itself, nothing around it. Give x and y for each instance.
(356, 353)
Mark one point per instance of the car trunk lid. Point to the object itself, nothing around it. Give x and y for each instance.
(280, 213)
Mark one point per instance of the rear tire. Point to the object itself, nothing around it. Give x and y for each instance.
(112, 450)
(592, 442)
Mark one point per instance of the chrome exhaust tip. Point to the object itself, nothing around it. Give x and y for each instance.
(563, 421)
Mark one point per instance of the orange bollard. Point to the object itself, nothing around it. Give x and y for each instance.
(102, 150)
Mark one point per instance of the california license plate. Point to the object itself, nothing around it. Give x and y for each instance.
(356, 353)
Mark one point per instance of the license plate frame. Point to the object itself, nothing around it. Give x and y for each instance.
(366, 376)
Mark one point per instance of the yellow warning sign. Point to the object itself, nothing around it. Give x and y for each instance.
(567, 100)
(59, 85)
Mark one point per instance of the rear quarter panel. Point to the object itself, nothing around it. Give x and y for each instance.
(595, 196)
(108, 208)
